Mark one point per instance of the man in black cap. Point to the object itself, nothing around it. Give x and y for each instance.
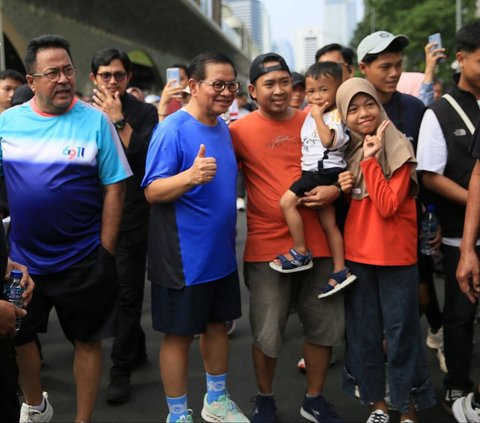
(268, 146)
(298, 91)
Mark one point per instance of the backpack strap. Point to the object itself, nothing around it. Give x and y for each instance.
(460, 112)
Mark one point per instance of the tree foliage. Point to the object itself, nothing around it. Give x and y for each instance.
(416, 19)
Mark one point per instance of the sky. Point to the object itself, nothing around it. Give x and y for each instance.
(288, 15)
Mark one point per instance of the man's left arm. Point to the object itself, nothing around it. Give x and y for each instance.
(113, 200)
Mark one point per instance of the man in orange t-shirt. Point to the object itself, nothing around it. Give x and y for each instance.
(268, 146)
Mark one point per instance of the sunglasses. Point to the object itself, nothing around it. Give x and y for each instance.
(107, 76)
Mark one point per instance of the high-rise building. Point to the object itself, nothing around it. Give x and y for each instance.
(340, 20)
(284, 48)
(307, 42)
(252, 13)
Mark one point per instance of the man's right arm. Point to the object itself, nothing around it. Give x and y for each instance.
(445, 187)
(168, 189)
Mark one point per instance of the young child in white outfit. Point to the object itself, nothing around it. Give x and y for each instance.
(324, 141)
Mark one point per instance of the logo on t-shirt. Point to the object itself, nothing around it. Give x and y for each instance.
(78, 152)
(281, 140)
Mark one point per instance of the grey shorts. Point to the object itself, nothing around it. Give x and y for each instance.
(272, 294)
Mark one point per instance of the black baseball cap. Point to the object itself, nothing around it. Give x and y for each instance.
(298, 79)
(258, 68)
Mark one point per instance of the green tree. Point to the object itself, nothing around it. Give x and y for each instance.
(416, 19)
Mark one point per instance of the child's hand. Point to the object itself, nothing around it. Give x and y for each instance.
(317, 110)
(374, 143)
(346, 181)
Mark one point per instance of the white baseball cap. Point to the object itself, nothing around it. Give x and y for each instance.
(378, 42)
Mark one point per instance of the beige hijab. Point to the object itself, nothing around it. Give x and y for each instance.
(396, 150)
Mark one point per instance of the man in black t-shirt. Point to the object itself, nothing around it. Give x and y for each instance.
(134, 120)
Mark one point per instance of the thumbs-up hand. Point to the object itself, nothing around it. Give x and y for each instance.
(203, 169)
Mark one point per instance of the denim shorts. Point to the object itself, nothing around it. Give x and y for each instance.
(273, 294)
(383, 305)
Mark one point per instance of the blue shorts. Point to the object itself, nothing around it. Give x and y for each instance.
(187, 311)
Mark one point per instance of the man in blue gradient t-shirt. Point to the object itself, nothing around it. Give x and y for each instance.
(63, 166)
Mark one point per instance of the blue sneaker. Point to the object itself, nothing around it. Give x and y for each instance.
(265, 409)
(318, 410)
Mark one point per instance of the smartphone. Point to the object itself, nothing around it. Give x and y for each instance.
(173, 74)
(437, 39)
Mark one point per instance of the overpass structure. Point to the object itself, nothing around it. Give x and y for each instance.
(155, 33)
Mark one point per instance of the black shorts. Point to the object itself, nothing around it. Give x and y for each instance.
(314, 178)
(85, 297)
(187, 311)
(425, 267)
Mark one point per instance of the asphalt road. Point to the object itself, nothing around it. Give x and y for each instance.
(147, 403)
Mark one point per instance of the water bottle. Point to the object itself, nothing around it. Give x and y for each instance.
(14, 291)
(428, 231)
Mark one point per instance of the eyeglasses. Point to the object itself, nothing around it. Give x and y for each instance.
(54, 75)
(107, 76)
(219, 86)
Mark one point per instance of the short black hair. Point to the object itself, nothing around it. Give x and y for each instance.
(12, 74)
(395, 46)
(104, 58)
(325, 69)
(41, 43)
(196, 70)
(346, 52)
(468, 37)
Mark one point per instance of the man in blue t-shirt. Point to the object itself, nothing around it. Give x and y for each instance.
(63, 166)
(190, 181)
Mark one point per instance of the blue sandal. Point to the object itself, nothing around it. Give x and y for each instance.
(342, 278)
(299, 262)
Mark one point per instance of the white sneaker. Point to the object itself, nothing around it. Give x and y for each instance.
(434, 340)
(223, 410)
(463, 410)
(29, 414)
(378, 416)
(240, 204)
(441, 360)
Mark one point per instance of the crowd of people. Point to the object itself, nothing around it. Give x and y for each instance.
(336, 174)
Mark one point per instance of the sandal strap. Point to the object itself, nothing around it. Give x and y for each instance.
(341, 275)
(302, 258)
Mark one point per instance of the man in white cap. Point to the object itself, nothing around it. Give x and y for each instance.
(380, 59)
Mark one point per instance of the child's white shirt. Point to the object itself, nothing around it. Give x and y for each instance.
(313, 149)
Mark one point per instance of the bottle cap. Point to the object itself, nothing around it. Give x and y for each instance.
(15, 273)
(431, 208)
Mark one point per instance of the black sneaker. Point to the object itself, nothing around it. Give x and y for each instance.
(451, 395)
(118, 391)
(265, 409)
(318, 410)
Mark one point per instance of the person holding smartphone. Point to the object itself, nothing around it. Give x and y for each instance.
(171, 99)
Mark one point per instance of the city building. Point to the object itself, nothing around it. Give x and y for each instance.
(340, 29)
(253, 14)
(307, 42)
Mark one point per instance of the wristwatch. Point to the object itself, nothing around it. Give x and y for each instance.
(336, 184)
(119, 124)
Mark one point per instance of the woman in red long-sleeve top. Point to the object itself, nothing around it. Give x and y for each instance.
(381, 249)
